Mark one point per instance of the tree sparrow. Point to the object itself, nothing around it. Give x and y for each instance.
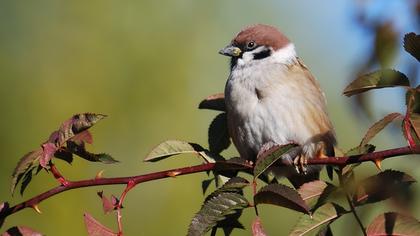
(272, 98)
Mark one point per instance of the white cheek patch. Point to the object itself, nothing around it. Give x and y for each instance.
(248, 56)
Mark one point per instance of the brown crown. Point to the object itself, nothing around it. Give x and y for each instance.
(262, 35)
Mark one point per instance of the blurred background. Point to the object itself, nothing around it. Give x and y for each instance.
(147, 64)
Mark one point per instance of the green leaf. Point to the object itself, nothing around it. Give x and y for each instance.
(218, 135)
(412, 44)
(270, 156)
(214, 102)
(234, 185)
(24, 166)
(376, 80)
(214, 210)
(171, 148)
(378, 126)
(316, 193)
(393, 223)
(281, 195)
(359, 150)
(81, 151)
(205, 184)
(323, 216)
(386, 184)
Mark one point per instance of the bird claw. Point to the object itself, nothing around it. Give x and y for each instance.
(300, 162)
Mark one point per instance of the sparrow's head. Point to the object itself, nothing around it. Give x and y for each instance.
(255, 42)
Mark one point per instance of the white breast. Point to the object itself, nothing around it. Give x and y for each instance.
(263, 106)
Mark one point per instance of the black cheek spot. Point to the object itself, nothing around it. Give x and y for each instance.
(263, 54)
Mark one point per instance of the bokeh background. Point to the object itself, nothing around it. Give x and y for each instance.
(147, 64)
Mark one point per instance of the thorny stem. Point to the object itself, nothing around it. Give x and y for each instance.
(340, 161)
(129, 186)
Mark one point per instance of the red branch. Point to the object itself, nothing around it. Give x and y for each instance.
(341, 161)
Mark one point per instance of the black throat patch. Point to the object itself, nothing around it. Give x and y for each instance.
(263, 54)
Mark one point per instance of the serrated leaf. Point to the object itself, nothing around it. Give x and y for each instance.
(218, 135)
(316, 193)
(412, 44)
(378, 126)
(81, 151)
(171, 148)
(21, 231)
(393, 223)
(27, 178)
(64, 155)
(77, 124)
(24, 166)
(214, 210)
(230, 223)
(205, 185)
(94, 228)
(270, 156)
(384, 185)
(322, 216)
(48, 151)
(360, 150)
(376, 80)
(4, 206)
(312, 189)
(257, 228)
(281, 195)
(234, 184)
(214, 102)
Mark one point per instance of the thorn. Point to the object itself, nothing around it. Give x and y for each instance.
(173, 173)
(378, 163)
(36, 208)
(99, 174)
(310, 215)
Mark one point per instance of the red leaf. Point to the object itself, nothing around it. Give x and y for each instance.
(214, 102)
(393, 223)
(21, 231)
(257, 228)
(95, 228)
(107, 205)
(48, 150)
(83, 137)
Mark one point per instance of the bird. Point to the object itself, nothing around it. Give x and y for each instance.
(272, 98)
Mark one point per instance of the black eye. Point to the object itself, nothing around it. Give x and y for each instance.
(250, 45)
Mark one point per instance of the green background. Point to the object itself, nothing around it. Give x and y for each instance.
(147, 64)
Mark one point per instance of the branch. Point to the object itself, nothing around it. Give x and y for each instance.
(341, 161)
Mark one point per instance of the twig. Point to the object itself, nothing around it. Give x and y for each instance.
(353, 210)
(340, 161)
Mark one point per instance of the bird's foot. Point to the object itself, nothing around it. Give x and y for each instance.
(300, 162)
